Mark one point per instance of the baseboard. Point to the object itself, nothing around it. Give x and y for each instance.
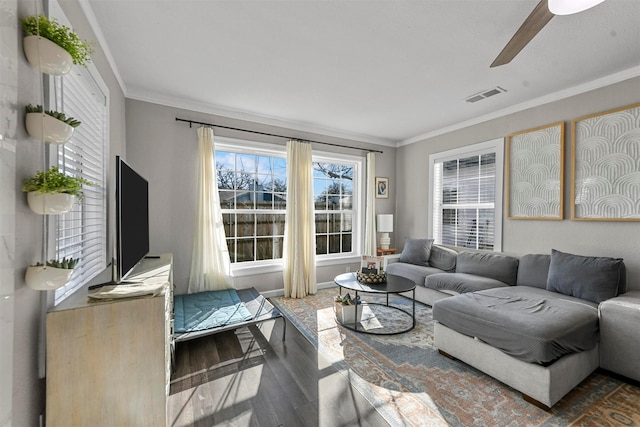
(280, 292)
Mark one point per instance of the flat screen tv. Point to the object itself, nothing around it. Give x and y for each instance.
(132, 219)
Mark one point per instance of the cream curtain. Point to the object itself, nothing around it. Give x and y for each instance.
(370, 213)
(299, 231)
(210, 263)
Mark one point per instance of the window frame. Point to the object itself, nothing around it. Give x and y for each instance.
(54, 156)
(356, 236)
(245, 147)
(492, 146)
(261, 148)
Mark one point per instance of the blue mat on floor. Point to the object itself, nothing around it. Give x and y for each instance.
(208, 310)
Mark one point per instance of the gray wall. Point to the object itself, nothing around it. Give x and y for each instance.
(165, 151)
(8, 131)
(24, 233)
(594, 238)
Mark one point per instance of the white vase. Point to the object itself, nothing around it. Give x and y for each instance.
(50, 203)
(47, 56)
(45, 128)
(45, 278)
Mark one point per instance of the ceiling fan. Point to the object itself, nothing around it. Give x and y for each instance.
(537, 19)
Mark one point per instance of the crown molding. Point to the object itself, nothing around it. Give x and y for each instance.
(202, 107)
(102, 41)
(556, 96)
(142, 95)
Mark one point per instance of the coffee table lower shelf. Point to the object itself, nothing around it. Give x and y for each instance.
(380, 318)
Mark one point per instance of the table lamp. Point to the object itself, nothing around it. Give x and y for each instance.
(385, 226)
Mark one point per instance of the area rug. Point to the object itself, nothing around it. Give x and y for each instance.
(411, 384)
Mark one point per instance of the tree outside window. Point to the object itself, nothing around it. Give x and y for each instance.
(253, 199)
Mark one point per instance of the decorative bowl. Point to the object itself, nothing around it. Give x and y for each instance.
(45, 278)
(50, 203)
(43, 127)
(371, 278)
(47, 56)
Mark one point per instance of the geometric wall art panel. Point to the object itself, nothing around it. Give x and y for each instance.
(606, 166)
(535, 173)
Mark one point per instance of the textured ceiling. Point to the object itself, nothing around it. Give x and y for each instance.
(378, 71)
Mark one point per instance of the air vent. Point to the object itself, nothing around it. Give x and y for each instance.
(485, 94)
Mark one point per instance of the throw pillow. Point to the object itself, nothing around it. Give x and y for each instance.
(495, 266)
(533, 270)
(592, 278)
(443, 258)
(416, 251)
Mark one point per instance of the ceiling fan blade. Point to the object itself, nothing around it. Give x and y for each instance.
(536, 20)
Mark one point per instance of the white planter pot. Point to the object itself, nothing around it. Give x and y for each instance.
(45, 128)
(47, 56)
(347, 313)
(44, 278)
(50, 203)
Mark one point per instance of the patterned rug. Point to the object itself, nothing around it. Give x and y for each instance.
(411, 384)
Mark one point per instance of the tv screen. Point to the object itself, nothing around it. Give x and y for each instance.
(132, 218)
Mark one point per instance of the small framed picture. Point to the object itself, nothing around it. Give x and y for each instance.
(382, 187)
(371, 264)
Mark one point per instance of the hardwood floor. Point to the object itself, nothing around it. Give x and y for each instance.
(249, 377)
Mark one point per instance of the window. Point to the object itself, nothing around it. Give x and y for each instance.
(252, 189)
(466, 197)
(333, 202)
(82, 232)
(252, 185)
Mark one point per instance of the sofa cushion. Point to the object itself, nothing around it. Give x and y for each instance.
(443, 258)
(461, 282)
(592, 278)
(530, 324)
(500, 267)
(416, 251)
(533, 270)
(413, 272)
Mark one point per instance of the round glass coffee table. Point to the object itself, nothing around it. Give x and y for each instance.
(379, 317)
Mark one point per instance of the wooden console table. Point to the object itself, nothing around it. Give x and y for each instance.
(109, 362)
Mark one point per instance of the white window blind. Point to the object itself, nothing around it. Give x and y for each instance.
(82, 232)
(465, 209)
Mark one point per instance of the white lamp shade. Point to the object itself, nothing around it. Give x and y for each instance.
(567, 7)
(385, 223)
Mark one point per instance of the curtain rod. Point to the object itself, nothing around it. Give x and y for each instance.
(192, 122)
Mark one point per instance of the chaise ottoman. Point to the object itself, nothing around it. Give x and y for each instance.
(620, 335)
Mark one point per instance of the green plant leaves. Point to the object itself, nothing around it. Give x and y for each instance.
(55, 114)
(54, 181)
(66, 263)
(80, 50)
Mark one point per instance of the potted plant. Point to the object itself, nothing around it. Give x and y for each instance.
(53, 275)
(53, 192)
(52, 47)
(347, 310)
(49, 126)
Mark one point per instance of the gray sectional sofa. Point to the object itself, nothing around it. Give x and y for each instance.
(530, 321)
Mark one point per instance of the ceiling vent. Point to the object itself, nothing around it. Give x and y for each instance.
(485, 94)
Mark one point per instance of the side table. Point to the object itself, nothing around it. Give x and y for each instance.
(389, 251)
(620, 335)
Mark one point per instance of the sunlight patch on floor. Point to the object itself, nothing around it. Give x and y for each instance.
(267, 328)
(329, 356)
(231, 389)
(404, 405)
